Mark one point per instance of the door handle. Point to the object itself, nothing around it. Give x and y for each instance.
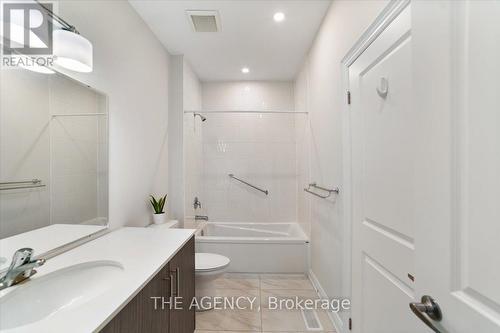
(427, 310)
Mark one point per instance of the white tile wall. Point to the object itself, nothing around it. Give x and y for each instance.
(69, 154)
(78, 154)
(259, 148)
(24, 150)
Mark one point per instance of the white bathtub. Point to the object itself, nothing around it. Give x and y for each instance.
(257, 247)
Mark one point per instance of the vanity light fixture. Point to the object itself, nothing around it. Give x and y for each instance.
(279, 17)
(245, 70)
(71, 50)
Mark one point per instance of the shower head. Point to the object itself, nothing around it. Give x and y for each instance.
(201, 117)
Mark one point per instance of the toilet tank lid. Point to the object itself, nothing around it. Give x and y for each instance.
(210, 261)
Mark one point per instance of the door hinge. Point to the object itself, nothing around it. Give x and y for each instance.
(350, 324)
(348, 97)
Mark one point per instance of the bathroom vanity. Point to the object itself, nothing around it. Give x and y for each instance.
(106, 285)
(148, 311)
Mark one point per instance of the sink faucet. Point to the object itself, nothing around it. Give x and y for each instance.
(21, 268)
(201, 218)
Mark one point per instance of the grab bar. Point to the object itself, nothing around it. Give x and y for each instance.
(21, 184)
(248, 184)
(335, 190)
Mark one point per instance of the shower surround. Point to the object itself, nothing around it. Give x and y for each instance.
(253, 132)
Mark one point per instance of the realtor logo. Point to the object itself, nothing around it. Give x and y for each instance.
(27, 28)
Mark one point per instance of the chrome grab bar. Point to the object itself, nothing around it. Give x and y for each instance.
(21, 184)
(335, 190)
(248, 184)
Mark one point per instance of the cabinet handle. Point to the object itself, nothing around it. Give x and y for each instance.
(177, 272)
(171, 279)
(177, 280)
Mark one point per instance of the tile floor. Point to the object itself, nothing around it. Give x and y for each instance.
(260, 318)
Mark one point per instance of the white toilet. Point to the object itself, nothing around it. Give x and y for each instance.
(208, 267)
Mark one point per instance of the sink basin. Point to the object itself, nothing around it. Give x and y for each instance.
(63, 289)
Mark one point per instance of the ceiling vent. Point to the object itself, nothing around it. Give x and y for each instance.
(204, 20)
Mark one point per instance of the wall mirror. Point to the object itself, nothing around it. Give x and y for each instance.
(53, 162)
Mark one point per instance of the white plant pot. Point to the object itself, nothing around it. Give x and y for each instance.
(159, 218)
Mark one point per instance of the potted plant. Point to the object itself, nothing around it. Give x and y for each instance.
(159, 215)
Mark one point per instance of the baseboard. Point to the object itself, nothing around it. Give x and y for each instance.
(334, 316)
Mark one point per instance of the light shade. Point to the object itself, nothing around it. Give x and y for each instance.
(72, 51)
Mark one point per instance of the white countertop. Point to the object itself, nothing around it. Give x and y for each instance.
(44, 239)
(141, 251)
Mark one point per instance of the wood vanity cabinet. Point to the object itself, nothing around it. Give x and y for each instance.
(176, 279)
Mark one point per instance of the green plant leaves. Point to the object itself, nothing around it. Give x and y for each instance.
(159, 204)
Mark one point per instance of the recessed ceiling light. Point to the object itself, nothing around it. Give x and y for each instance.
(279, 16)
(245, 70)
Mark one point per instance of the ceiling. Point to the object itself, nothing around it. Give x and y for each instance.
(249, 37)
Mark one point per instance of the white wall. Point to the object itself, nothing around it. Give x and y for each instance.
(175, 200)
(319, 87)
(131, 67)
(193, 129)
(248, 95)
(183, 138)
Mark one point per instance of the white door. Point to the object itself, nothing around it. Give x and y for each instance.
(384, 136)
(457, 94)
(426, 171)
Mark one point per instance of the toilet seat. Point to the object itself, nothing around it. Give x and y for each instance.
(208, 262)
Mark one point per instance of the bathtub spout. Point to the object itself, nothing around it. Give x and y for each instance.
(201, 218)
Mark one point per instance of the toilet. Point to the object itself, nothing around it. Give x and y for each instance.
(208, 267)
